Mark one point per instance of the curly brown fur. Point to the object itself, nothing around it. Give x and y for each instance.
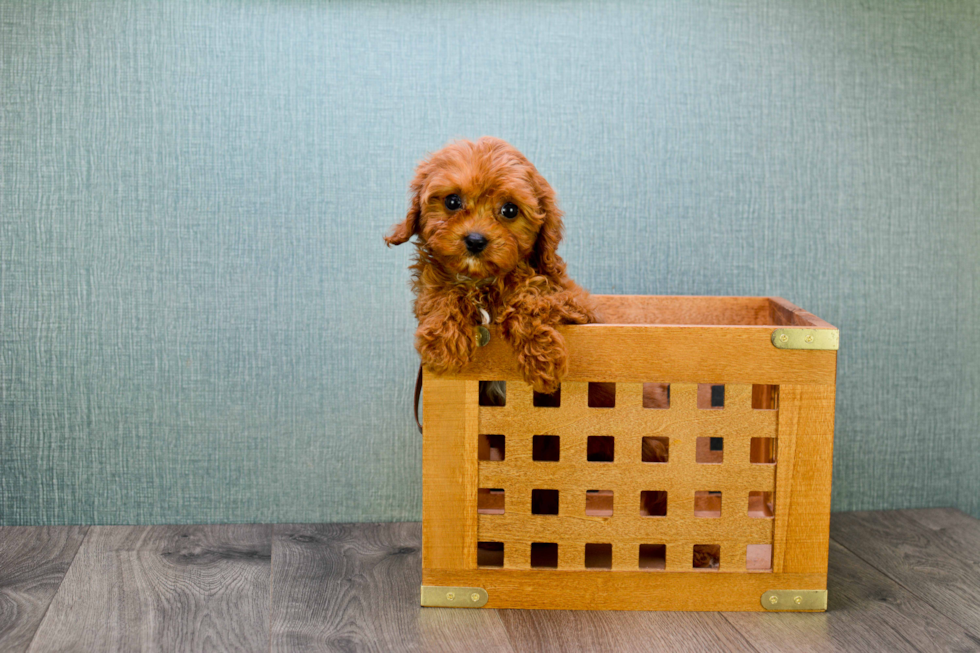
(518, 277)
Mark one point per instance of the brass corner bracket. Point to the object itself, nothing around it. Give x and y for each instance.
(453, 597)
(797, 338)
(794, 600)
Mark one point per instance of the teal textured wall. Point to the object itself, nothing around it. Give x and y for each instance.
(199, 321)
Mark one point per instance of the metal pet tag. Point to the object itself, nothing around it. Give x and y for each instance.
(482, 332)
(482, 336)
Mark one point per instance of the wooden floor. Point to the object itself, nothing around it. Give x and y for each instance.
(899, 581)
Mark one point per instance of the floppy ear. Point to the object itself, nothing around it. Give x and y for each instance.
(545, 258)
(401, 232)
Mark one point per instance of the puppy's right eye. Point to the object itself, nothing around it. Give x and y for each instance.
(453, 202)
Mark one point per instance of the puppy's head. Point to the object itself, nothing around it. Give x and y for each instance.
(481, 208)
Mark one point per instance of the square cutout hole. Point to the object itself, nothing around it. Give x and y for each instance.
(656, 395)
(544, 555)
(492, 447)
(653, 503)
(655, 450)
(544, 502)
(490, 501)
(710, 451)
(598, 556)
(546, 448)
(553, 400)
(489, 554)
(653, 556)
(765, 397)
(707, 556)
(711, 396)
(761, 505)
(707, 504)
(602, 395)
(493, 393)
(599, 503)
(762, 451)
(601, 449)
(758, 557)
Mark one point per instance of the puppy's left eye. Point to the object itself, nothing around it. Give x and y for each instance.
(453, 202)
(509, 210)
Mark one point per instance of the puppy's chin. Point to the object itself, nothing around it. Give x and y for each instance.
(477, 268)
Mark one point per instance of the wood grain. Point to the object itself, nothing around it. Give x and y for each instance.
(175, 588)
(935, 554)
(449, 468)
(803, 478)
(33, 562)
(702, 310)
(786, 313)
(622, 590)
(356, 587)
(867, 612)
(666, 354)
(681, 309)
(906, 581)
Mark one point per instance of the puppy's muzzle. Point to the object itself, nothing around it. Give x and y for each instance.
(475, 243)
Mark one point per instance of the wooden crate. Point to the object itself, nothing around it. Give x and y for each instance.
(778, 366)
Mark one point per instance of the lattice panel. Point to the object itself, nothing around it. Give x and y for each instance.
(743, 522)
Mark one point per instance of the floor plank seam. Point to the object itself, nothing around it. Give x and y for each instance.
(500, 620)
(74, 556)
(724, 615)
(272, 580)
(970, 630)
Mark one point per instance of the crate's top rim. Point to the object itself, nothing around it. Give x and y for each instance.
(689, 296)
(768, 328)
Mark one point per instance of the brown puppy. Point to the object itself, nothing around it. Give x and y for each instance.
(488, 227)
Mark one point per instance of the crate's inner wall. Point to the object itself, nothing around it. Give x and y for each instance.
(628, 477)
(745, 311)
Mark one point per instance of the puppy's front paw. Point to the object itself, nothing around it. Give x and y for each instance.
(445, 347)
(543, 359)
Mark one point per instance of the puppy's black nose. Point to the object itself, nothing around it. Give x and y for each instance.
(475, 243)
